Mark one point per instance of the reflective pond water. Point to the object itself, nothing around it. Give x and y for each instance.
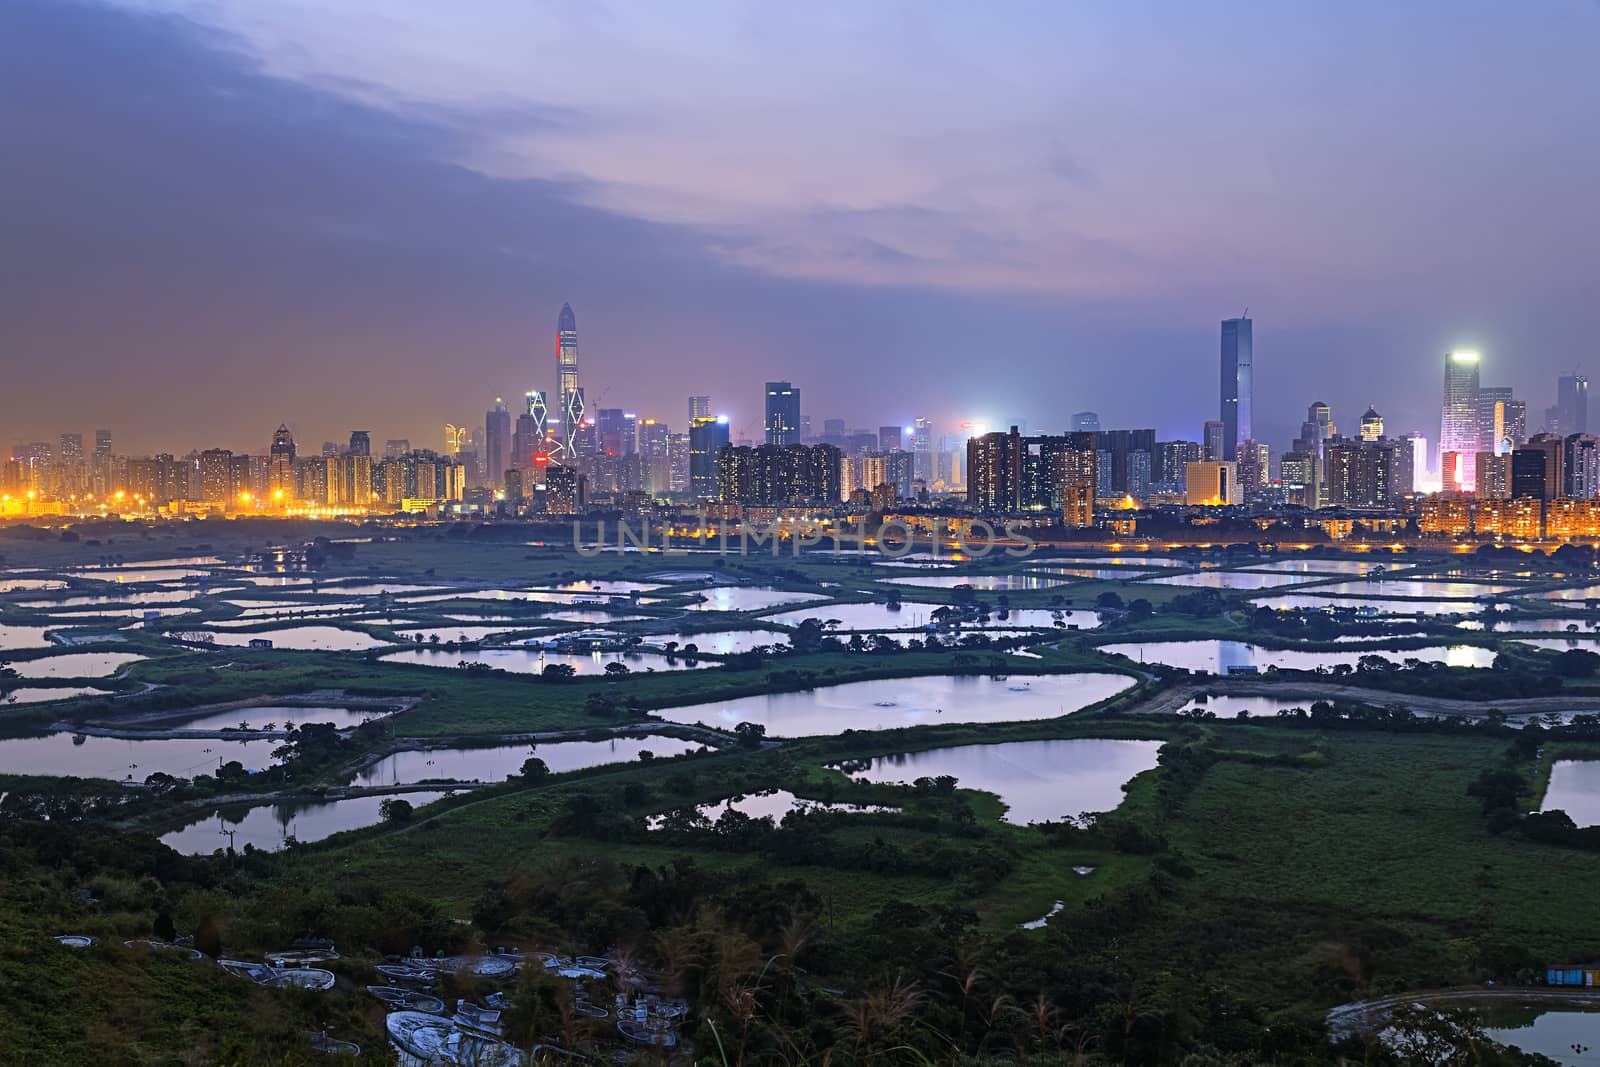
(723, 642)
(39, 694)
(773, 804)
(1323, 566)
(1309, 602)
(453, 633)
(860, 616)
(149, 596)
(1039, 781)
(1231, 580)
(75, 665)
(1099, 574)
(1555, 1034)
(1584, 592)
(498, 763)
(1575, 789)
(305, 638)
(746, 598)
(1413, 587)
(1229, 707)
(1125, 561)
(15, 637)
(1215, 657)
(1509, 624)
(123, 760)
(534, 661)
(984, 582)
(280, 716)
(269, 826)
(590, 617)
(885, 704)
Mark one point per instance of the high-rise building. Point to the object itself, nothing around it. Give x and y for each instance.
(1493, 404)
(1238, 364)
(1411, 464)
(1358, 473)
(922, 448)
(1458, 424)
(1494, 476)
(280, 465)
(1085, 422)
(1169, 465)
(1371, 425)
(783, 414)
(216, 470)
(102, 442)
(1300, 472)
(616, 429)
(361, 443)
(1571, 412)
(1211, 441)
(496, 443)
(1211, 484)
(1253, 469)
(1536, 468)
(890, 439)
(699, 407)
(1580, 466)
(1317, 429)
(567, 389)
(708, 436)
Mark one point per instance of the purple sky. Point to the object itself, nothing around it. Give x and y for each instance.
(220, 214)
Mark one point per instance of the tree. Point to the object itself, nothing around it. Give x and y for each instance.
(1108, 599)
(750, 734)
(616, 668)
(558, 672)
(534, 769)
(395, 810)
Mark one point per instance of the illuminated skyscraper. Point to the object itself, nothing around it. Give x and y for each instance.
(1571, 413)
(1458, 425)
(1238, 363)
(1211, 441)
(922, 447)
(1371, 425)
(567, 388)
(496, 443)
(783, 414)
(280, 464)
(708, 436)
(699, 407)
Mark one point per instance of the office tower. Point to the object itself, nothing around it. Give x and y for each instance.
(615, 429)
(1300, 472)
(1536, 468)
(1085, 422)
(1458, 424)
(1580, 466)
(280, 464)
(1359, 474)
(1123, 446)
(833, 432)
(1254, 469)
(699, 407)
(1371, 425)
(1411, 464)
(889, 439)
(1570, 414)
(1169, 465)
(1494, 476)
(1211, 484)
(395, 447)
(1317, 429)
(1238, 360)
(568, 392)
(361, 442)
(102, 442)
(708, 436)
(1515, 422)
(1211, 439)
(496, 442)
(922, 448)
(679, 453)
(1493, 402)
(782, 414)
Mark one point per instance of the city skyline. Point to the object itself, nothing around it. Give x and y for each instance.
(416, 277)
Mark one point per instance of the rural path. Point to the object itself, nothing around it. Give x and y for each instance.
(1170, 700)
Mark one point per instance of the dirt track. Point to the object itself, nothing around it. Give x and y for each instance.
(1168, 701)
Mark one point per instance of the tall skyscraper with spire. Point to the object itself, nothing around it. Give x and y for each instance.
(1238, 370)
(567, 388)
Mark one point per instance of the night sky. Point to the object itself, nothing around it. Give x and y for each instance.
(222, 214)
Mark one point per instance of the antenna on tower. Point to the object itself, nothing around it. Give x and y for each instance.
(1246, 314)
